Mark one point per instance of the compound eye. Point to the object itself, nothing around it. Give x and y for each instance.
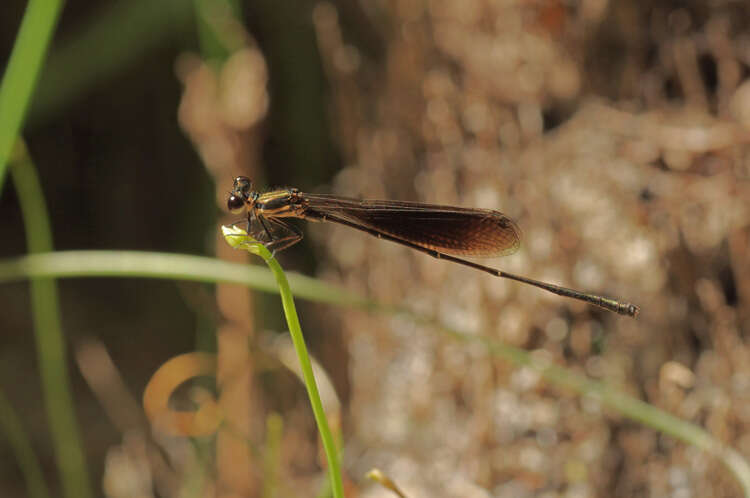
(235, 204)
(242, 183)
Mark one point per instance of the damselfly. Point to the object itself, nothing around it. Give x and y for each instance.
(444, 232)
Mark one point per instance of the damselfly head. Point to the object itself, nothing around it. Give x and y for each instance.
(240, 194)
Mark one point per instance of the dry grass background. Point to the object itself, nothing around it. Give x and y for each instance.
(616, 134)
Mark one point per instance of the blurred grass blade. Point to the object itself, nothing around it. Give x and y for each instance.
(183, 267)
(212, 19)
(22, 72)
(272, 455)
(378, 476)
(49, 338)
(118, 34)
(139, 264)
(19, 441)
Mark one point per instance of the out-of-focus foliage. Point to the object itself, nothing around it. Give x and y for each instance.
(616, 133)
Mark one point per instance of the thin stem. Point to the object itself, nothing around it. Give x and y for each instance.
(50, 340)
(140, 264)
(12, 426)
(114, 37)
(238, 238)
(22, 72)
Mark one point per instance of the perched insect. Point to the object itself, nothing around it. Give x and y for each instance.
(443, 232)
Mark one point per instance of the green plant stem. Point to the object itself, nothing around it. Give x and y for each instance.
(295, 330)
(49, 337)
(298, 340)
(216, 42)
(19, 441)
(22, 72)
(272, 455)
(115, 37)
(174, 266)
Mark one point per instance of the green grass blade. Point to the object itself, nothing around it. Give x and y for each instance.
(272, 455)
(138, 264)
(22, 72)
(10, 424)
(50, 342)
(196, 268)
(118, 35)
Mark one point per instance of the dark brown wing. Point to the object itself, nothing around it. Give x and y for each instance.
(451, 230)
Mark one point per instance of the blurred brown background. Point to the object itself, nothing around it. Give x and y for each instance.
(615, 133)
